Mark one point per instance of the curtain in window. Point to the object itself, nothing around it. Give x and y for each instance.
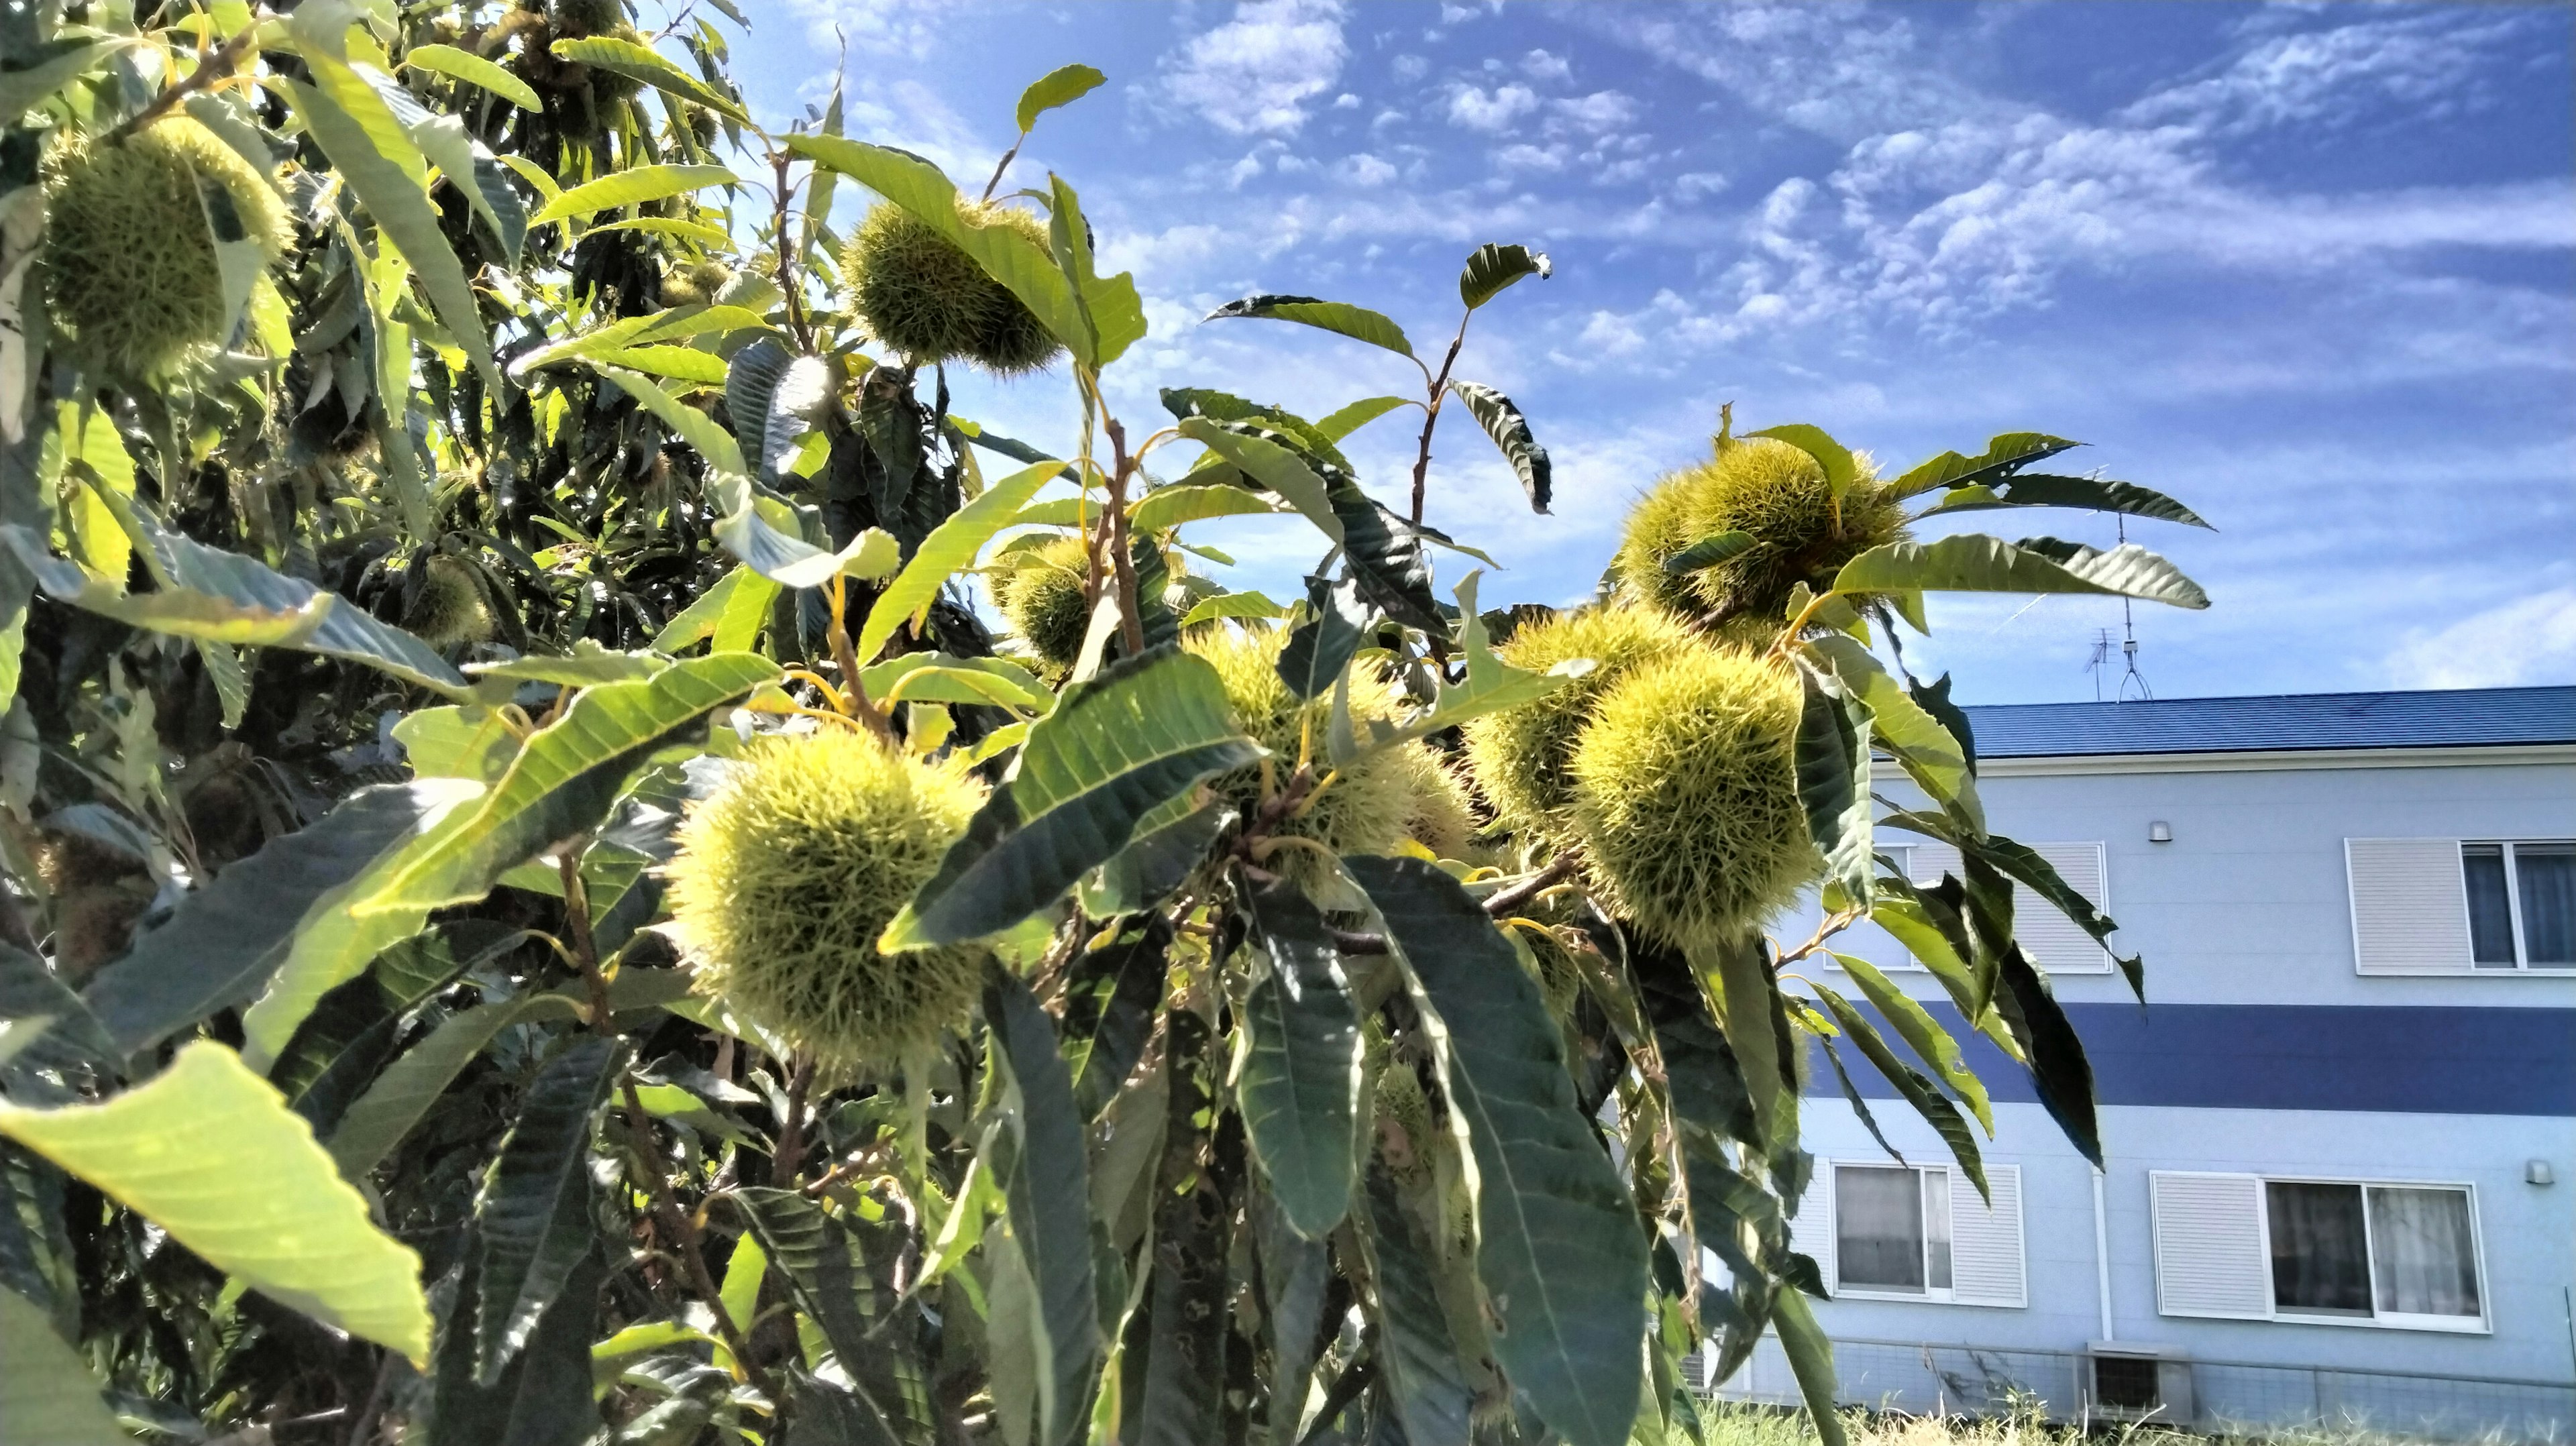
(2320, 1258)
(2490, 906)
(2547, 874)
(2423, 1253)
(1878, 1228)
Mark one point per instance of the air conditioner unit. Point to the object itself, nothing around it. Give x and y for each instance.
(2136, 1381)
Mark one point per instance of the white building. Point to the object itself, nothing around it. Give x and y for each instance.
(2341, 1140)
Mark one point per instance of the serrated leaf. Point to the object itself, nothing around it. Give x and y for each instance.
(728, 615)
(1340, 317)
(637, 62)
(1491, 685)
(1936, 1110)
(1272, 465)
(1432, 1396)
(1923, 744)
(638, 332)
(62, 1033)
(2040, 490)
(47, 1393)
(32, 79)
(1111, 995)
(209, 1152)
(589, 664)
(1115, 749)
(2005, 454)
(228, 598)
(1168, 507)
(1343, 421)
(1510, 430)
(2041, 877)
(1973, 562)
(1924, 1035)
(1249, 606)
(829, 1277)
(2055, 1052)
(1300, 1079)
(1811, 1361)
(532, 1220)
(1708, 552)
(1558, 1246)
(473, 69)
(228, 940)
(1832, 456)
(1833, 781)
(544, 1397)
(632, 186)
(950, 547)
(1061, 86)
(1323, 644)
(1700, 1070)
(1047, 1187)
(1494, 267)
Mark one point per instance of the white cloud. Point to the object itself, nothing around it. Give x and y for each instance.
(1255, 73)
(1600, 111)
(2525, 640)
(1474, 108)
(884, 27)
(2426, 63)
(1542, 65)
(1368, 170)
(1409, 67)
(1693, 185)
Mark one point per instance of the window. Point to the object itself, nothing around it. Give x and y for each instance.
(2354, 1251)
(2439, 906)
(2522, 904)
(1922, 1233)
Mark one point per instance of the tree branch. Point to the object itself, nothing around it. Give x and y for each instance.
(210, 69)
(1431, 417)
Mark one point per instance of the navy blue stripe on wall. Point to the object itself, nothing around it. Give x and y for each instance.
(2467, 1061)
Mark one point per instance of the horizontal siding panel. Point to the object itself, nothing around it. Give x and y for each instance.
(2409, 908)
(2209, 1246)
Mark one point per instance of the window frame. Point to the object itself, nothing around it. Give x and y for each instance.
(2513, 906)
(2483, 1323)
(1929, 1294)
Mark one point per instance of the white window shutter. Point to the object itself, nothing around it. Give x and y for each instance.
(2045, 934)
(1985, 1244)
(1811, 1232)
(2410, 908)
(2209, 1245)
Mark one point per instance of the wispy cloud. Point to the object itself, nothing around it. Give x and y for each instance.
(2424, 62)
(2528, 639)
(1256, 73)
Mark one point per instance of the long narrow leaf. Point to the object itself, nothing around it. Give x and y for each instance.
(951, 546)
(1301, 1074)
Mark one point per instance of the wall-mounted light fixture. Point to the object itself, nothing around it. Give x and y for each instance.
(2538, 1172)
(2160, 832)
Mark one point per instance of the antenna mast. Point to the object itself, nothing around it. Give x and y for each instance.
(2100, 662)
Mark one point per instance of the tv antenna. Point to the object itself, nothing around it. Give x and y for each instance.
(2100, 662)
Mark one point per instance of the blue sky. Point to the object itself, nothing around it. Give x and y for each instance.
(2311, 268)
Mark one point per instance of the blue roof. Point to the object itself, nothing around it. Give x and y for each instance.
(2467, 717)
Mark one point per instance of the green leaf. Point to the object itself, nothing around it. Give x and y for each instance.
(209, 1152)
(224, 597)
(1048, 1190)
(1061, 86)
(1494, 268)
(947, 678)
(1811, 1360)
(33, 78)
(1923, 744)
(1294, 1275)
(637, 62)
(1504, 423)
(1025, 269)
(227, 940)
(1745, 992)
(1416, 1351)
(632, 186)
(1356, 322)
(1559, 1251)
(822, 1414)
(1111, 995)
(1346, 420)
(1936, 1110)
(636, 333)
(831, 1280)
(532, 1219)
(730, 615)
(2005, 454)
(1113, 317)
(1270, 464)
(544, 1397)
(62, 1032)
(589, 664)
(1169, 507)
(473, 69)
(1924, 1035)
(2041, 877)
(1322, 645)
(1706, 1083)
(1973, 562)
(775, 395)
(1833, 782)
(1708, 552)
(951, 546)
(2040, 490)
(1301, 1066)
(2063, 1076)
(1248, 605)
(1492, 685)
(47, 1393)
(1832, 456)
(354, 127)
(1115, 749)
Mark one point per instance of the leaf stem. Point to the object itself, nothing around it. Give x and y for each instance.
(1004, 164)
(797, 321)
(1431, 416)
(1504, 901)
(1113, 532)
(210, 69)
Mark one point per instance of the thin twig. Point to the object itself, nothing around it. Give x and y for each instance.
(790, 1154)
(1504, 901)
(1431, 417)
(1350, 943)
(1113, 529)
(845, 656)
(1005, 164)
(365, 1429)
(209, 70)
(796, 319)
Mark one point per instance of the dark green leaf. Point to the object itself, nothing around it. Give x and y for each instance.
(1504, 423)
(1115, 749)
(544, 1397)
(533, 1217)
(832, 1281)
(47, 1393)
(227, 939)
(1061, 86)
(1415, 1351)
(2041, 877)
(639, 62)
(1111, 995)
(822, 1414)
(1558, 1250)
(2058, 1068)
(1811, 1360)
(1833, 782)
(1930, 1042)
(1708, 552)
(224, 597)
(1852, 1094)
(30, 991)
(1700, 1070)
(1047, 1187)
(2041, 490)
(1158, 860)
(2004, 455)
(1355, 322)
(1973, 562)
(1928, 1101)
(1325, 640)
(1294, 1273)
(1301, 1072)
(1495, 267)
